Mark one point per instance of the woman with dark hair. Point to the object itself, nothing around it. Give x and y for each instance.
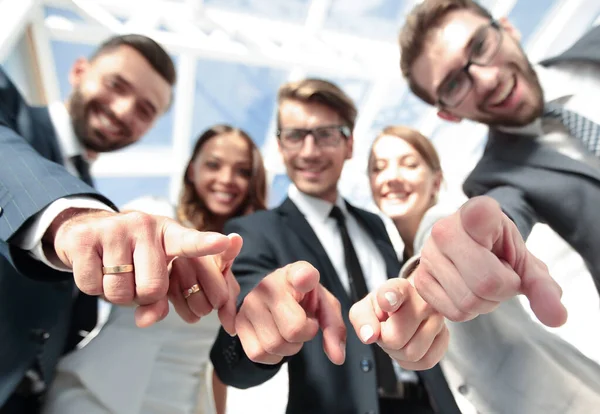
(165, 368)
(500, 362)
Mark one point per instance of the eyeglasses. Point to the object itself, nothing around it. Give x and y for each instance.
(483, 48)
(325, 136)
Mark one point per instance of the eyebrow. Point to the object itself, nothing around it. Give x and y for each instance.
(466, 50)
(128, 84)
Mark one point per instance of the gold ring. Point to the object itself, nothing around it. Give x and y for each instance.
(112, 270)
(189, 292)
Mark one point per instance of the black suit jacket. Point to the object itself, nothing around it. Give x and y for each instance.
(36, 302)
(273, 239)
(534, 183)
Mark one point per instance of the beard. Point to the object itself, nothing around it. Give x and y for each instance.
(89, 138)
(525, 113)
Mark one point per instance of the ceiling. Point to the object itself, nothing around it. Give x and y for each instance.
(231, 57)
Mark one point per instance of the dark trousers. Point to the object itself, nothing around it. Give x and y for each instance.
(397, 406)
(19, 404)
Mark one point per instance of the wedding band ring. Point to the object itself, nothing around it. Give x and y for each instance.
(113, 270)
(189, 292)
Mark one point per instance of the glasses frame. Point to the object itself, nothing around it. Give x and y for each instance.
(473, 61)
(343, 129)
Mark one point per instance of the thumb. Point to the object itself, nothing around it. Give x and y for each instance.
(183, 241)
(302, 277)
(483, 220)
(543, 292)
(329, 316)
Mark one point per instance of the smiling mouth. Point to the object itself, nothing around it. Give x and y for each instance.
(505, 92)
(395, 197)
(224, 197)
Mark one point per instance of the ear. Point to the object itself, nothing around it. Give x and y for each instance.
(447, 116)
(437, 182)
(510, 29)
(349, 146)
(190, 171)
(78, 70)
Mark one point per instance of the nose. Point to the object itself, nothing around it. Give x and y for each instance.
(309, 146)
(123, 107)
(485, 78)
(226, 175)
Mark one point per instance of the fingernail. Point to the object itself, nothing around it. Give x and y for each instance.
(392, 298)
(343, 349)
(366, 332)
(232, 235)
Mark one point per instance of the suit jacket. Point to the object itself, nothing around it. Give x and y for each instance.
(35, 301)
(504, 362)
(534, 183)
(273, 239)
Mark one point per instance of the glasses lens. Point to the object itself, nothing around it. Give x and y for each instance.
(455, 89)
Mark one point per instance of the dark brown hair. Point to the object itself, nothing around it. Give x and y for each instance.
(322, 92)
(191, 207)
(415, 34)
(156, 56)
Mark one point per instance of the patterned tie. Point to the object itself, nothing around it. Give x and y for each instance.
(577, 125)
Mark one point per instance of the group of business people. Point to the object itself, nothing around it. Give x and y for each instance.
(315, 282)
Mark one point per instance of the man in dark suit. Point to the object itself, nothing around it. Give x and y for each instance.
(283, 306)
(52, 222)
(541, 160)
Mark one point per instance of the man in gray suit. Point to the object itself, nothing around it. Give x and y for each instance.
(541, 160)
(56, 233)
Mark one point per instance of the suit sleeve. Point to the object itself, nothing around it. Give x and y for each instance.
(28, 184)
(513, 202)
(255, 261)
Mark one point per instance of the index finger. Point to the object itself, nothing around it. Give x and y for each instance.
(182, 241)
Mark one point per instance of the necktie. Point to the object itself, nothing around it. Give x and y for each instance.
(386, 377)
(578, 126)
(82, 167)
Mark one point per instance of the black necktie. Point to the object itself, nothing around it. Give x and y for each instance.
(580, 127)
(386, 376)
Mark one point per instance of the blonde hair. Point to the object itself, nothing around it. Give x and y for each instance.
(322, 92)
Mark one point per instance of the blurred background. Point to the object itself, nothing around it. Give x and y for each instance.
(231, 57)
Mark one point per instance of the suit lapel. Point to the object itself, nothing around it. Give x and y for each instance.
(43, 128)
(297, 223)
(526, 150)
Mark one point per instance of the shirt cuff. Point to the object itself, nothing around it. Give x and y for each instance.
(30, 237)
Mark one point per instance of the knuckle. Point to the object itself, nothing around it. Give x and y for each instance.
(413, 352)
(442, 232)
(293, 330)
(273, 345)
(469, 303)
(488, 285)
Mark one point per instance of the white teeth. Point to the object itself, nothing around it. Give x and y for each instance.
(396, 196)
(223, 196)
(503, 94)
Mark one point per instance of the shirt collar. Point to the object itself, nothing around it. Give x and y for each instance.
(67, 140)
(556, 87)
(314, 207)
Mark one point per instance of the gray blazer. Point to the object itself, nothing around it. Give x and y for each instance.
(534, 184)
(505, 363)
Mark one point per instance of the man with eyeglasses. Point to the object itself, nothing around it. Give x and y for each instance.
(303, 266)
(540, 163)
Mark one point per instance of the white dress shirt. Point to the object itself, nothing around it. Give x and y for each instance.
(30, 238)
(316, 212)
